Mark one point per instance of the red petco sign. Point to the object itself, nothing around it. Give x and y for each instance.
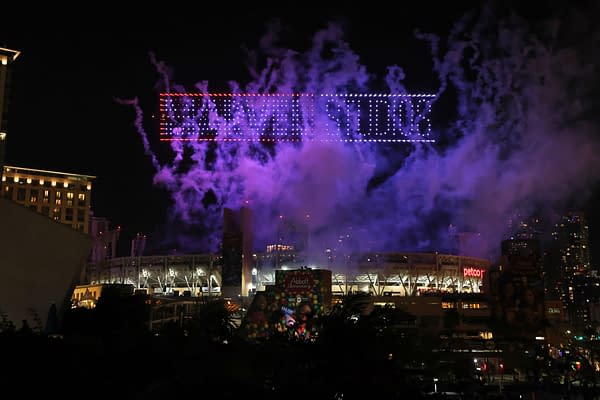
(298, 282)
(473, 272)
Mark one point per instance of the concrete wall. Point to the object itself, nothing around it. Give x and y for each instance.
(39, 261)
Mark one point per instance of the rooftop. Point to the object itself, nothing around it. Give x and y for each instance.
(9, 168)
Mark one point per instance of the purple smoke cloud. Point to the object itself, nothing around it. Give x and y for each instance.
(520, 138)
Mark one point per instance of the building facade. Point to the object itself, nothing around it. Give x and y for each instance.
(64, 197)
(7, 56)
(571, 236)
(40, 261)
(571, 266)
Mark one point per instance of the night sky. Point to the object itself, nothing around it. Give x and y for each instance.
(65, 114)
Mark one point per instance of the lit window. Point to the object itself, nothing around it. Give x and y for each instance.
(81, 196)
(46, 193)
(41, 182)
(69, 195)
(57, 195)
(29, 180)
(53, 183)
(486, 335)
(66, 184)
(16, 179)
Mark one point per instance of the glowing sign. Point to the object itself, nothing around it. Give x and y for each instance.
(297, 282)
(473, 272)
(295, 117)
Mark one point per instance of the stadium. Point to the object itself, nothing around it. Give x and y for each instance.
(380, 274)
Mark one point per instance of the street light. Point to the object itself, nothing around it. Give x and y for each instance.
(435, 380)
(307, 216)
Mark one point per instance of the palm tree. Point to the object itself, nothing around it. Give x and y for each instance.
(212, 321)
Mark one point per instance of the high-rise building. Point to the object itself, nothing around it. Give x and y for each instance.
(2, 152)
(236, 270)
(64, 197)
(523, 226)
(571, 263)
(571, 237)
(7, 56)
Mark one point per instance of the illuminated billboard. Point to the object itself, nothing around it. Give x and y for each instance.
(518, 305)
(291, 308)
(470, 272)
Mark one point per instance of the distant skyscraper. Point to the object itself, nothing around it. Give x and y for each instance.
(521, 226)
(571, 236)
(236, 271)
(571, 265)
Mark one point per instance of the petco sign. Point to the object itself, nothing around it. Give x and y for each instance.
(471, 272)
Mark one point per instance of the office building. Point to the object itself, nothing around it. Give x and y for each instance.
(571, 237)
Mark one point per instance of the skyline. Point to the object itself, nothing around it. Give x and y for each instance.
(115, 155)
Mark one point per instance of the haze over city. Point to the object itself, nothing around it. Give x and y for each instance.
(396, 201)
(512, 120)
